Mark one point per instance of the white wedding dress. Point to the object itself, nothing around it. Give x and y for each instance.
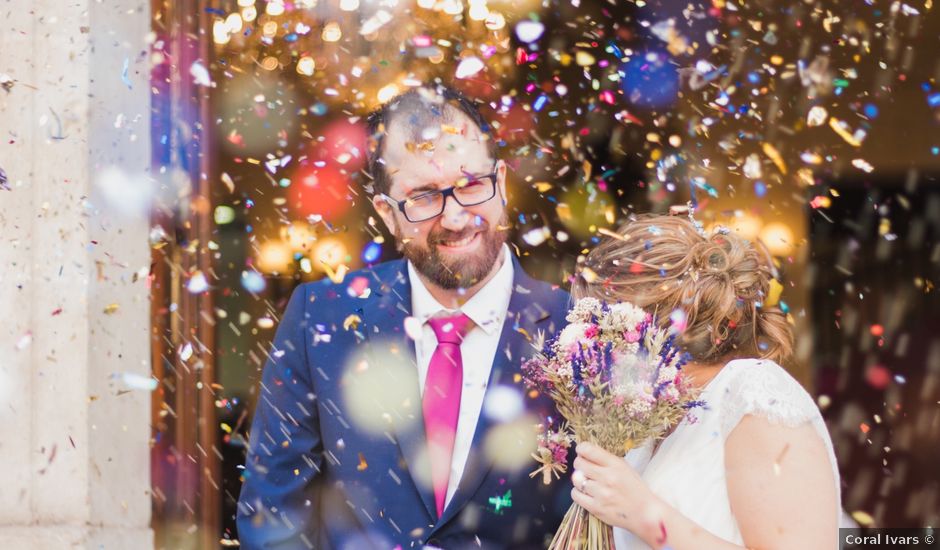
(688, 469)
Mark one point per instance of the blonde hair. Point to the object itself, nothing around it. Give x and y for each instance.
(719, 282)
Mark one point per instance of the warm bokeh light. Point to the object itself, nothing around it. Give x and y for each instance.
(275, 257)
(300, 236)
(779, 238)
(329, 253)
(306, 66)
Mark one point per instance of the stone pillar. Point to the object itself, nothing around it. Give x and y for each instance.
(74, 259)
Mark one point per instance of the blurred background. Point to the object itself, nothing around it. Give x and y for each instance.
(813, 126)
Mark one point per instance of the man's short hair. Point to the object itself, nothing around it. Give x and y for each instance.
(425, 107)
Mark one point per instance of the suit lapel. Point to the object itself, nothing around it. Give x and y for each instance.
(523, 317)
(385, 320)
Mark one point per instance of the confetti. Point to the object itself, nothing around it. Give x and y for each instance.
(200, 74)
(863, 165)
(197, 283)
(817, 116)
(252, 281)
(134, 381)
(469, 67)
(529, 31)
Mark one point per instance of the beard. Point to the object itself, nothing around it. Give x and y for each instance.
(453, 272)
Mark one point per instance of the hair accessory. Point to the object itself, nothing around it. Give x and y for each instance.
(689, 209)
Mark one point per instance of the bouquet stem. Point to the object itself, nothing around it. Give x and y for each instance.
(580, 530)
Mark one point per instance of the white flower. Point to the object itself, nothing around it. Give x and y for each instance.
(623, 316)
(572, 334)
(583, 310)
(667, 374)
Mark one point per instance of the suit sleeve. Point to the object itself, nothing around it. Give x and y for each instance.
(277, 504)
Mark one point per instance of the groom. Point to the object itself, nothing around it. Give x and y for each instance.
(391, 412)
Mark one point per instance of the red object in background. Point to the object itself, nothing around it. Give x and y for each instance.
(480, 87)
(878, 377)
(343, 145)
(316, 190)
(515, 125)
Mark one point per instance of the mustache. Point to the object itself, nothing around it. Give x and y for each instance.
(446, 235)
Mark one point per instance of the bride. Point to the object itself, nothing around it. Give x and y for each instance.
(755, 468)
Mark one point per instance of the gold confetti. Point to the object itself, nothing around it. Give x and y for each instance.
(454, 130)
(543, 186)
(583, 59)
(841, 128)
(775, 156)
(773, 296)
(352, 321)
(588, 275)
(112, 308)
(863, 518)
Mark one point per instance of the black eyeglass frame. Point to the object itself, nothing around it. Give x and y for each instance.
(445, 193)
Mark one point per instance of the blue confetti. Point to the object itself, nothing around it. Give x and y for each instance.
(871, 110)
(253, 281)
(650, 79)
(540, 102)
(760, 188)
(124, 77)
(372, 252)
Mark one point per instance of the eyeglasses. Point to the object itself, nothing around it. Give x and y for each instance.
(469, 191)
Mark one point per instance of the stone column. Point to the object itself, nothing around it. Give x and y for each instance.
(74, 259)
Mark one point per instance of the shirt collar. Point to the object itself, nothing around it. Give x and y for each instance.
(486, 308)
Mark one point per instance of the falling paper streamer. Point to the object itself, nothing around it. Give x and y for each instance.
(197, 283)
(817, 116)
(469, 67)
(376, 22)
(529, 31)
(863, 165)
(200, 74)
(253, 281)
(134, 381)
(125, 193)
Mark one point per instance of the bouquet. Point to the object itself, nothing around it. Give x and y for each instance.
(616, 379)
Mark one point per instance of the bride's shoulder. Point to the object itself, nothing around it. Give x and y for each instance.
(764, 388)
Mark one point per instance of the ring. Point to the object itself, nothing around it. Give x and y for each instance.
(583, 485)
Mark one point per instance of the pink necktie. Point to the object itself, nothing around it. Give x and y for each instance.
(441, 400)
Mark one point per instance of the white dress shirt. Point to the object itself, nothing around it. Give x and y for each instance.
(487, 309)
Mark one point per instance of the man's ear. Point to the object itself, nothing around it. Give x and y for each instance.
(384, 210)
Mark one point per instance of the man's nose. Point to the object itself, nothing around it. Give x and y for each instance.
(454, 217)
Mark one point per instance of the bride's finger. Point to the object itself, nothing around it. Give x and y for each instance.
(594, 453)
(585, 500)
(587, 467)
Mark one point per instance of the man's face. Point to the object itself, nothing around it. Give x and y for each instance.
(460, 247)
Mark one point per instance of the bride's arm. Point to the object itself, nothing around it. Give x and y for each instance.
(781, 485)
(779, 482)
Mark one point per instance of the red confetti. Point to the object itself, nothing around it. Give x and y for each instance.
(877, 377)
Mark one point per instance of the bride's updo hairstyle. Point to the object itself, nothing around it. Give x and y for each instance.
(712, 287)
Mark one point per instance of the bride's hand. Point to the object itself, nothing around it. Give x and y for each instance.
(609, 488)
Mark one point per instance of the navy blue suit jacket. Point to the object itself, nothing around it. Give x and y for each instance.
(329, 470)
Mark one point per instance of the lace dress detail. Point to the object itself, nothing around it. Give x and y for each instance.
(688, 469)
(768, 391)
